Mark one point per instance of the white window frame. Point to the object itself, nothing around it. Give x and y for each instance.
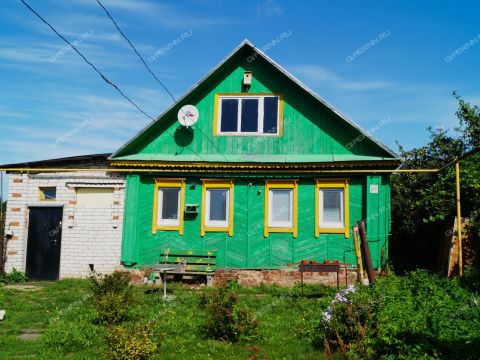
(261, 99)
(330, 224)
(217, 223)
(275, 223)
(168, 222)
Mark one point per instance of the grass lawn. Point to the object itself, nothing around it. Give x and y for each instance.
(61, 312)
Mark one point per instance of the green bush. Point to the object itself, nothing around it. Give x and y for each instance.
(15, 277)
(419, 315)
(225, 319)
(136, 343)
(112, 296)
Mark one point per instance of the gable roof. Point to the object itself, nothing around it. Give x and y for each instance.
(259, 53)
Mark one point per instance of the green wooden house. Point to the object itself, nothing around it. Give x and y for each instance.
(269, 175)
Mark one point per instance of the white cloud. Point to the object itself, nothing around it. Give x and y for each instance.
(318, 75)
(269, 8)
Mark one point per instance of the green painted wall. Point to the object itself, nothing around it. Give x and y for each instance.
(248, 248)
(310, 130)
(309, 127)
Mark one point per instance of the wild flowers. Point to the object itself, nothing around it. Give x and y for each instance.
(340, 297)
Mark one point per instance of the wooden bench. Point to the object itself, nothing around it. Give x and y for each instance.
(190, 263)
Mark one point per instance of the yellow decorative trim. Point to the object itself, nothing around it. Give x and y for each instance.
(217, 184)
(42, 189)
(281, 184)
(241, 167)
(168, 183)
(326, 183)
(215, 114)
(280, 113)
(280, 116)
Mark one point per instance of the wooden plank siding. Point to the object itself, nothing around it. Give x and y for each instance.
(248, 248)
(308, 126)
(312, 132)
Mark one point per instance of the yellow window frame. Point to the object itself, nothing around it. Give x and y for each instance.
(281, 184)
(168, 183)
(216, 107)
(332, 184)
(42, 189)
(217, 184)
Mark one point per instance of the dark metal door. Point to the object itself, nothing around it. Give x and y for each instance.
(44, 238)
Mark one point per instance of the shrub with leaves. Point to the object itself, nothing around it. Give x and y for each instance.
(14, 277)
(226, 320)
(416, 316)
(112, 296)
(135, 343)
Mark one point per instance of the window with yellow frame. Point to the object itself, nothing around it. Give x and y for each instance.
(331, 207)
(248, 114)
(281, 207)
(48, 193)
(168, 204)
(217, 206)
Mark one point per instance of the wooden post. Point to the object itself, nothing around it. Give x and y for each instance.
(459, 218)
(358, 252)
(366, 252)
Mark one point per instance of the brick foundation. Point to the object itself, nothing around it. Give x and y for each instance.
(282, 277)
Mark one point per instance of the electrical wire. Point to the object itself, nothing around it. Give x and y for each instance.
(155, 76)
(136, 52)
(86, 60)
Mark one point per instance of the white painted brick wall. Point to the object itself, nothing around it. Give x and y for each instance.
(92, 236)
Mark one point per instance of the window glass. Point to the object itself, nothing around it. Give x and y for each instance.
(169, 205)
(280, 207)
(48, 193)
(229, 117)
(256, 114)
(331, 207)
(218, 204)
(270, 117)
(249, 115)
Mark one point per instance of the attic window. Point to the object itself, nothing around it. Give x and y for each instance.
(248, 115)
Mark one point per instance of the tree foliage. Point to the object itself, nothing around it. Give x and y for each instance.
(423, 204)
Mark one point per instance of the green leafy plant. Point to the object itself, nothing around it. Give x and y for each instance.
(423, 204)
(135, 343)
(14, 277)
(225, 319)
(112, 296)
(419, 315)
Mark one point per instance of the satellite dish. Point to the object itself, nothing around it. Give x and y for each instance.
(188, 115)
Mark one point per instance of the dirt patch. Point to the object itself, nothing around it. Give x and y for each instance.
(30, 334)
(22, 287)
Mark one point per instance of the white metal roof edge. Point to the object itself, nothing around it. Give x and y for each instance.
(284, 72)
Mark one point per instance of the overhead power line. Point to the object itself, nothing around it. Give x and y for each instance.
(136, 52)
(155, 76)
(108, 81)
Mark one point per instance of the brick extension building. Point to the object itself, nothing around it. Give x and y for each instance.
(79, 213)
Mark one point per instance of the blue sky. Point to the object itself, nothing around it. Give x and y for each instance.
(52, 104)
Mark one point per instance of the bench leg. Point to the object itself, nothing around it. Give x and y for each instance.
(209, 281)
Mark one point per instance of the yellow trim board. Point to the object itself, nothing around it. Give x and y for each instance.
(332, 184)
(168, 183)
(262, 166)
(217, 184)
(281, 184)
(216, 111)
